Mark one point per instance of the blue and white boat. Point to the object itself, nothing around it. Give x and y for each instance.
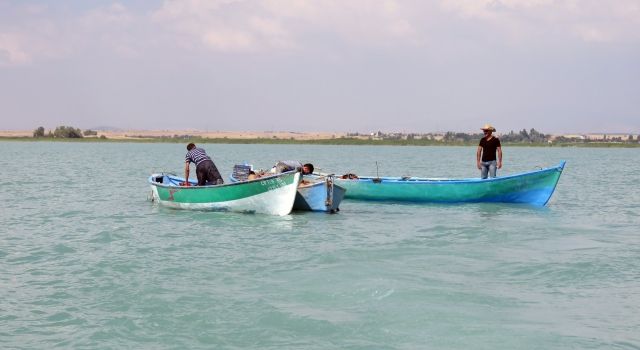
(315, 193)
(319, 193)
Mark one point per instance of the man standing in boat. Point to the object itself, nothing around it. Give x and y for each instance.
(486, 154)
(206, 170)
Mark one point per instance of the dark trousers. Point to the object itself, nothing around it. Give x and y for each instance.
(208, 174)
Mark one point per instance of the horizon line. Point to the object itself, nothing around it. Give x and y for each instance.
(362, 133)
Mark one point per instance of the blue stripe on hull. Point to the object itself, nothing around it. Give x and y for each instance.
(534, 197)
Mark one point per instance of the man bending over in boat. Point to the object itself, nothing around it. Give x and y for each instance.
(307, 169)
(289, 165)
(486, 153)
(206, 170)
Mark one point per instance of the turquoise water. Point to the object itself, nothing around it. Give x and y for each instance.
(86, 261)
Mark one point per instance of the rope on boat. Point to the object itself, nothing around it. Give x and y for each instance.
(329, 182)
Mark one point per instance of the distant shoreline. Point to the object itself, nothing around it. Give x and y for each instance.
(134, 134)
(137, 134)
(344, 141)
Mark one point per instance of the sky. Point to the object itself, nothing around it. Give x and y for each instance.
(559, 66)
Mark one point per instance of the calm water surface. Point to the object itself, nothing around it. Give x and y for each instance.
(86, 261)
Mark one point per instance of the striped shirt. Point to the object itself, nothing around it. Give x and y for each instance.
(196, 155)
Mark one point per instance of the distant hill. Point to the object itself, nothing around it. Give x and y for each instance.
(106, 128)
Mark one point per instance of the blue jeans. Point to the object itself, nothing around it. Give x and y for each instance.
(488, 168)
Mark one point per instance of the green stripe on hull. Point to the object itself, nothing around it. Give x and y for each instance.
(223, 193)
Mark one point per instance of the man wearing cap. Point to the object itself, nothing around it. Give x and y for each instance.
(206, 171)
(486, 154)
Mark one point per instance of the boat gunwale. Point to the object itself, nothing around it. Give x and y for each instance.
(300, 186)
(195, 187)
(419, 180)
(303, 186)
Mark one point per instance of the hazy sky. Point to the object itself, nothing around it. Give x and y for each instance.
(325, 65)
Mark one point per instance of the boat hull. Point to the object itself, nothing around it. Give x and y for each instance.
(533, 188)
(323, 195)
(272, 195)
(315, 193)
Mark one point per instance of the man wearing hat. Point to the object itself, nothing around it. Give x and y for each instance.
(486, 154)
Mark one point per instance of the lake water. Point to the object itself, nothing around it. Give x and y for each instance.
(86, 261)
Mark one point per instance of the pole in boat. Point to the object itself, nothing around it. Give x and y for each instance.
(377, 179)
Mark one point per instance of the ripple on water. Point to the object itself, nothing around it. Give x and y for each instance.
(86, 264)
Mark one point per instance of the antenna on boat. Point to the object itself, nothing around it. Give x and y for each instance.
(377, 179)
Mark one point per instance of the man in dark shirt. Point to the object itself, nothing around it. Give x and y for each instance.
(206, 170)
(486, 154)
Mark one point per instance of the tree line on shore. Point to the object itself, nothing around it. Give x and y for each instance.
(523, 136)
(65, 132)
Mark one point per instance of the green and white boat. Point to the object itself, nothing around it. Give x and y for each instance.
(272, 195)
